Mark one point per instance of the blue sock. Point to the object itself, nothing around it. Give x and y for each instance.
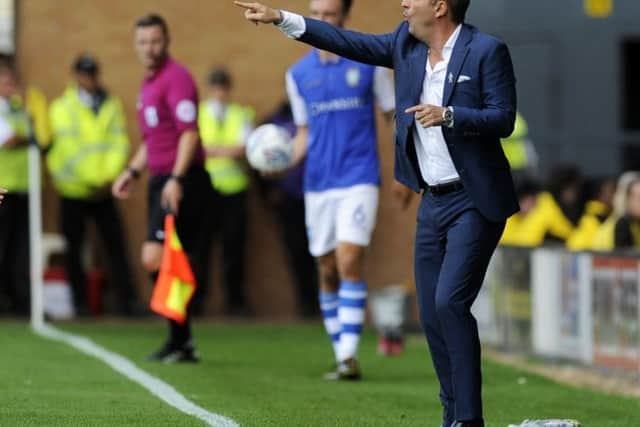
(351, 313)
(329, 305)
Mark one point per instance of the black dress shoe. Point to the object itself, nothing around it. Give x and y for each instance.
(175, 353)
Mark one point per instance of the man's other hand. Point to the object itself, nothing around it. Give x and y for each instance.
(427, 115)
(259, 13)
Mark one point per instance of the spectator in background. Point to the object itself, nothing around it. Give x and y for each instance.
(224, 129)
(286, 196)
(89, 150)
(527, 192)
(556, 211)
(596, 211)
(520, 152)
(35, 103)
(627, 230)
(621, 230)
(15, 133)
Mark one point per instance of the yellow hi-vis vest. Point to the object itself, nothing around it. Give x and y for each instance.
(584, 236)
(228, 176)
(89, 150)
(14, 162)
(515, 146)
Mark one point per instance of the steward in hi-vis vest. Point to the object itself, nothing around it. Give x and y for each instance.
(224, 128)
(89, 150)
(15, 133)
(520, 152)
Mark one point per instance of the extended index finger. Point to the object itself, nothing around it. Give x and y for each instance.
(413, 109)
(246, 5)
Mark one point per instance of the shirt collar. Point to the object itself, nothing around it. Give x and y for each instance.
(217, 108)
(447, 50)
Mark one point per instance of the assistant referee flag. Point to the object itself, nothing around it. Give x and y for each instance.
(176, 284)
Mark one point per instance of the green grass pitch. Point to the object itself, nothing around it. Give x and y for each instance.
(262, 375)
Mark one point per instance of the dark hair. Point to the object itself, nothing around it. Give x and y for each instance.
(458, 10)
(562, 177)
(153, 20)
(86, 64)
(346, 6)
(527, 187)
(220, 77)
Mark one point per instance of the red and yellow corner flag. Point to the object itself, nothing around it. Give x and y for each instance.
(176, 284)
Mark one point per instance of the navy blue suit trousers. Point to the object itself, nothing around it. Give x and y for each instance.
(454, 244)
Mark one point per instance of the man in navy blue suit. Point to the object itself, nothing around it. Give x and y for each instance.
(455, 97)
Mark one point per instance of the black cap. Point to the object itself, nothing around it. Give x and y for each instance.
(220, 77)
(86, 64)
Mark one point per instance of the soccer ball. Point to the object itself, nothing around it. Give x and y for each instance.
(270, 148)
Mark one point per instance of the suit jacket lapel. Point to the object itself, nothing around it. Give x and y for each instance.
(459, 54)
(418, 70)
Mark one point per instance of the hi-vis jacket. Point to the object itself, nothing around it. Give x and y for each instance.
(89, 150)
(14, 168)
(228, 176)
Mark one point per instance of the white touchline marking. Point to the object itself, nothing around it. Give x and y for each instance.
(127, 368)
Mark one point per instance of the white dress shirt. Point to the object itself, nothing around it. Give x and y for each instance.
(292, 25)
(433, 155)
(434, 160)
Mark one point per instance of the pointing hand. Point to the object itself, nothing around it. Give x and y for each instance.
(259, 13)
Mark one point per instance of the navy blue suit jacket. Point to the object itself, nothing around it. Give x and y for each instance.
(479, 85)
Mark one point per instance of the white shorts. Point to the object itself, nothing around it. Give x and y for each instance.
(340, 215)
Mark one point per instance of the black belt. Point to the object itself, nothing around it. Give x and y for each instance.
(446, 188)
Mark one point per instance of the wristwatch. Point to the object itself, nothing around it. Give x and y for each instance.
(447, 117)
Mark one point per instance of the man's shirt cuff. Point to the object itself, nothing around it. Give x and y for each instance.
(292, 25)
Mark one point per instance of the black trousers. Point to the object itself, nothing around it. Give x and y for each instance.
(14, 254)
(293, 233)
(192, 225)
(74, 214)
(228, 224)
